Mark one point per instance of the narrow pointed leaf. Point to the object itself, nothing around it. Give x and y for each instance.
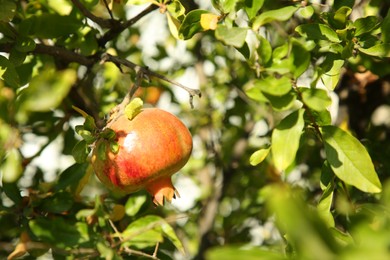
(258, 156)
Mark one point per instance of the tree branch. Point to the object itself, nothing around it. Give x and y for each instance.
(57, 52)
(145, 71)
(115, 31)
(104, 23)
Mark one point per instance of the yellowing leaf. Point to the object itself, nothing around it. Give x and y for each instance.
(209, 21)
(11, 168)
(258, 156)
(173, 25)
(117, 213)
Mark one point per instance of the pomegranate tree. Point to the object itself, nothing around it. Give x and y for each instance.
(152, 146)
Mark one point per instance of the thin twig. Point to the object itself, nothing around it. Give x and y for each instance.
(104, 23)
(156, 249)
(115, 229)
(139, 253)
(145, 71)
(115, 31)
(150, 227)
(126, 248)
(108, 9)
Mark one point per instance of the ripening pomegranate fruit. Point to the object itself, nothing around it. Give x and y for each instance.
(152, 147)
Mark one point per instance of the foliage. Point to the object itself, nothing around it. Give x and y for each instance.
(279, 169)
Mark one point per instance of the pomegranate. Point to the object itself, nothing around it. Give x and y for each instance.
(152, 147)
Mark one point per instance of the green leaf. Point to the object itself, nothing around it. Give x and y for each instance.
(138, 2)
(134, 204)
(173, 25)
(80, 151)
(317, 32)
(327, 176)
(281, 14)
(304, 228)
(343, 239)
(264, 50)
(340, 3)
(339, 19)
(191, 24)
(321, 117)
(7, 10)
(7, 30)
(349, 159)
(12, 191)
(285, 139)
(89, 124)
(8, 73)
(102, 149)
(169, 232)
(46, 90)
(245, 51)
(281, 103)
(234, 36)
(108, 134)
(144, 232)
(105, 251)
(306, 12)
(379, 50)
(11, 167)
(149, 230)
(315, 98)
(253, 92)
(114, 146)
(17, 58)
(176, 10)
(59, 203)
(259, 156)
(49, 26)
(300, 59)
(365, 24)
(25, 44)
(244, 252)
(385, 28)
(325, 204)
(274, 86)
(71, 177)
(133, 108)
(251, 7)
(225, 6)
(59, 232)
(332, 77)
(87, 136)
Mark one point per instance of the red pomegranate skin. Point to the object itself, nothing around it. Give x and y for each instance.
(152, 146)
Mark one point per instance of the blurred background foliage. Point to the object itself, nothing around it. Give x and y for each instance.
(262, 182)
